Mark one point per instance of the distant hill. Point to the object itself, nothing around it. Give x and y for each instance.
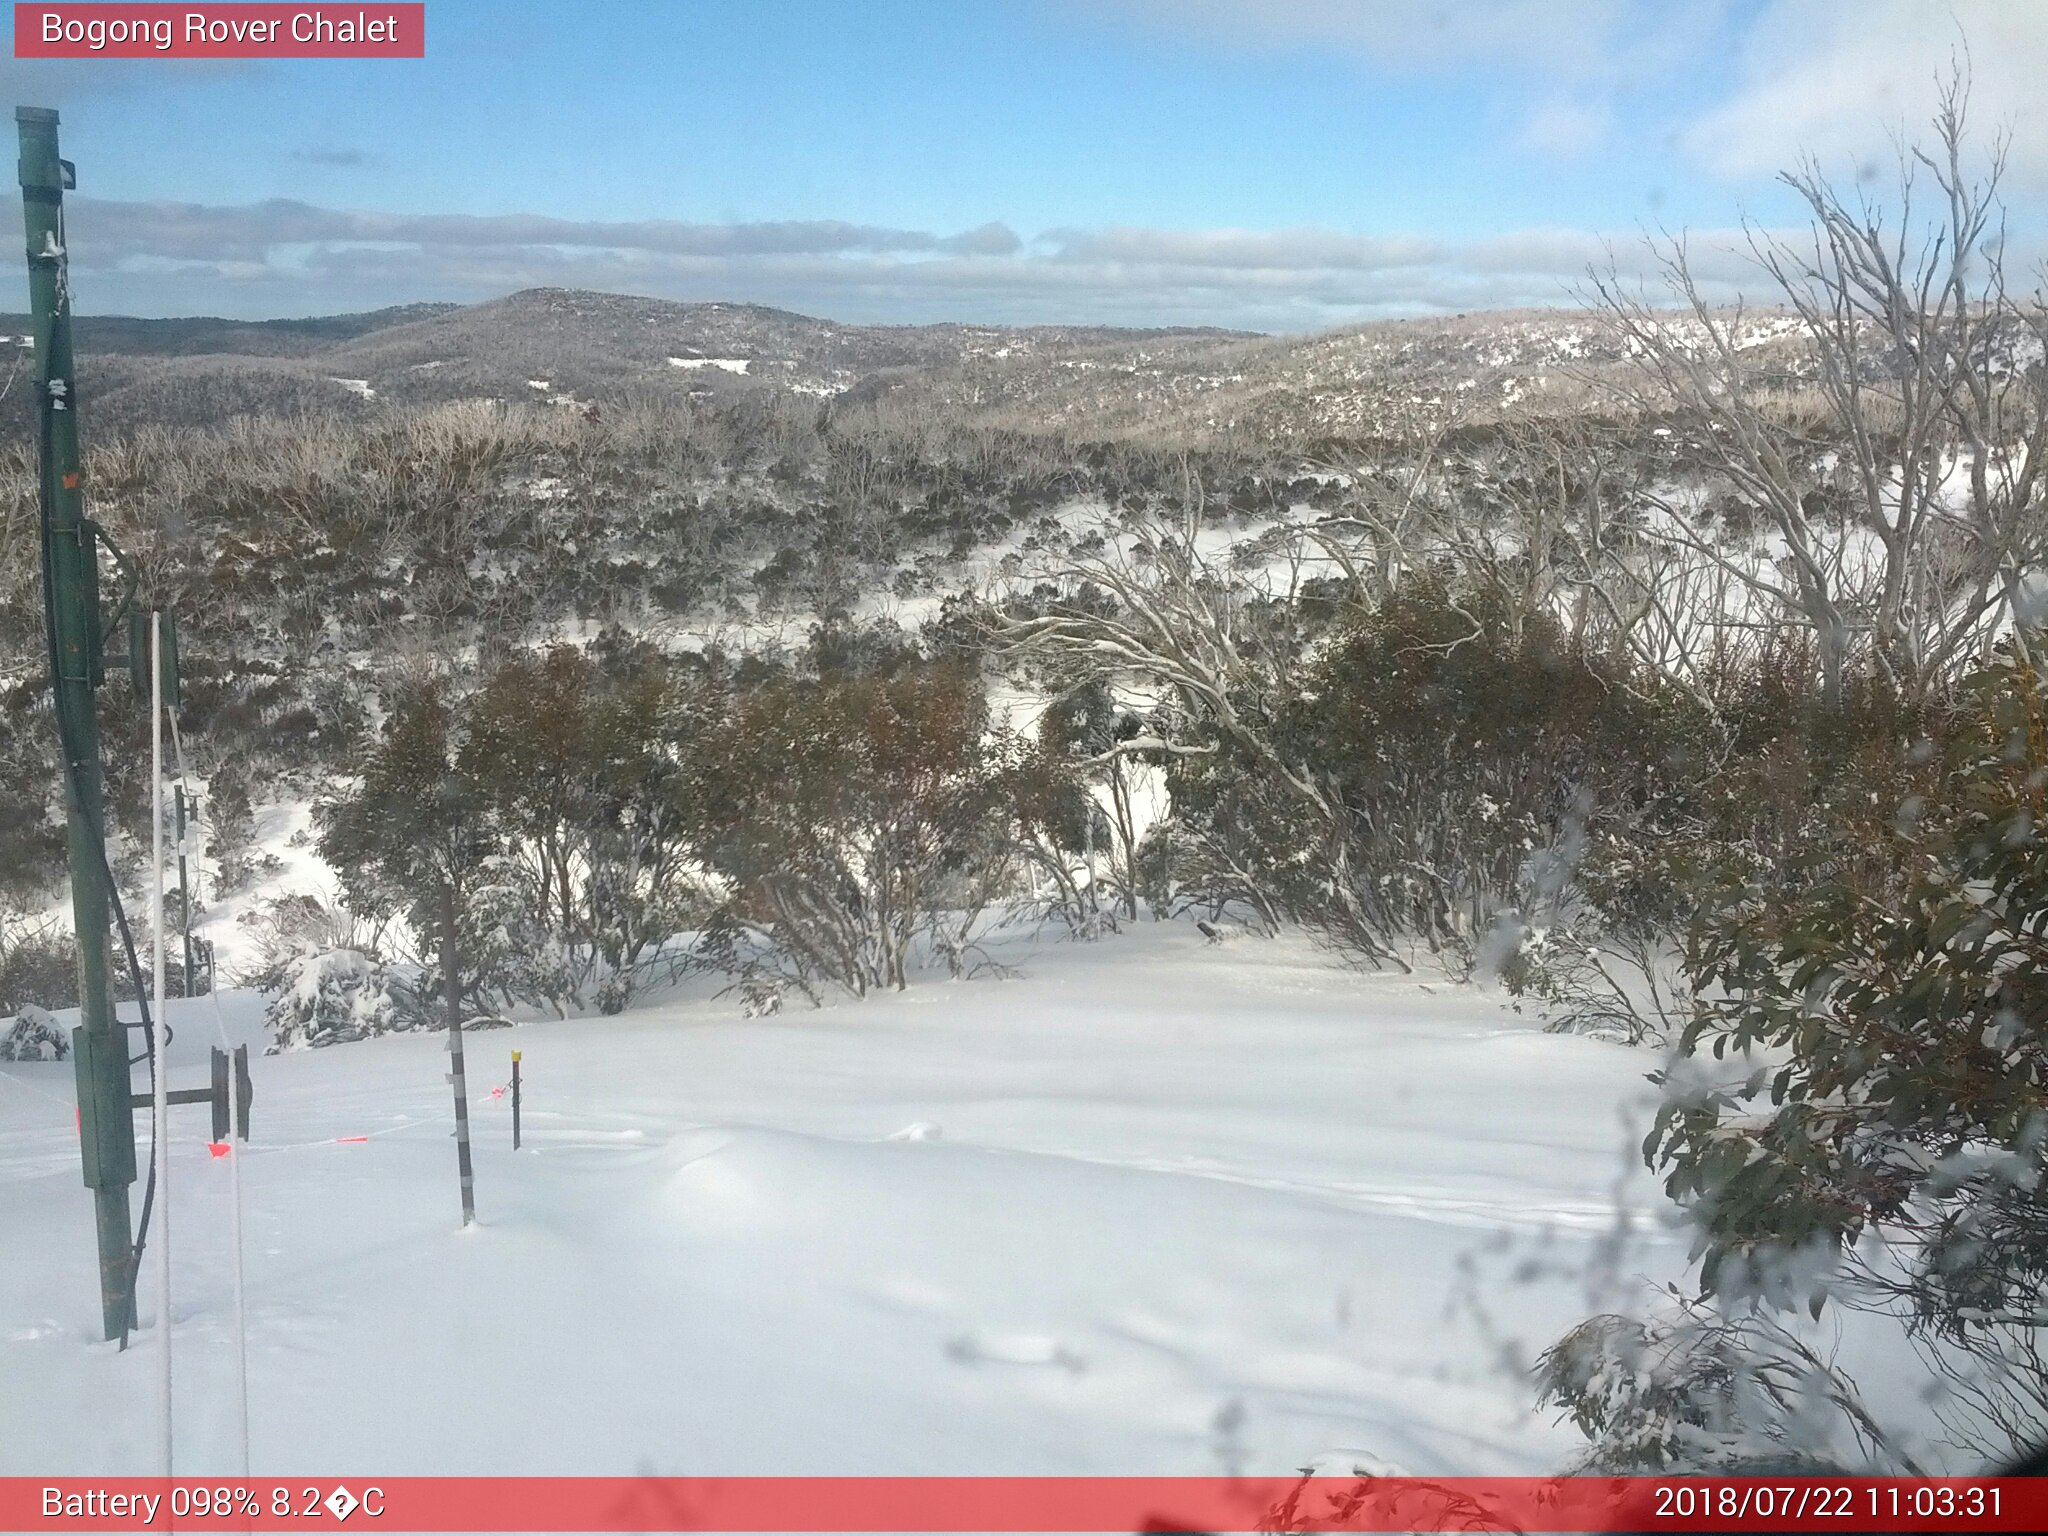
(577, 348)
(198, 334)
(540, 344)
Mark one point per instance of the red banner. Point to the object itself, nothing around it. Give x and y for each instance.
(206, 31)
(1016, 1504)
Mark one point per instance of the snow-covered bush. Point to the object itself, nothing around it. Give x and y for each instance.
(330, 997)
(613, 993)
(507, 955)
(34, 1036)
(283, 930)
(38, 963)
(1686, 1387)
(1595, 938)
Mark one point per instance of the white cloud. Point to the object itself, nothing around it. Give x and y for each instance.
(115, 228)
(285, 257)
(1581, 40)
(1563, 130)
(1552, 73)
(1839, 81)
(1243, 249)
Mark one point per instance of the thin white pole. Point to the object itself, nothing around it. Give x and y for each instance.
(220, 1028)
(162, 1075)
(241, 1305)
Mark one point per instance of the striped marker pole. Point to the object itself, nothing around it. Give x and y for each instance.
(451, 984)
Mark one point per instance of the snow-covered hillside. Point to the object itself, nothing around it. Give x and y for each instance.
(1153, 1206)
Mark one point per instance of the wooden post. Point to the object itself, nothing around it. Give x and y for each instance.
(451, 988)
(515, 1101)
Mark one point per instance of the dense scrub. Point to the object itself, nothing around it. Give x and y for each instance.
(590, 824)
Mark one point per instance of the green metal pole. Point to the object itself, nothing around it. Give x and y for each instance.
(71, 577)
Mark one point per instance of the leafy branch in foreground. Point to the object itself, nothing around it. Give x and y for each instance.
(1886, 1025)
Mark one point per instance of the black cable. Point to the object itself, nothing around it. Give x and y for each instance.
(69, 750)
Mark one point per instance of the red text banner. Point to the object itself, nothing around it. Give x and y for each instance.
(216, 31)
(1019, 1504)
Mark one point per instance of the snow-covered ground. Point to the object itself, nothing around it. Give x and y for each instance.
(1151, 1206)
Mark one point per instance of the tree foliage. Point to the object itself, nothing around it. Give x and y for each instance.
(848, 818)
(1889, 1019)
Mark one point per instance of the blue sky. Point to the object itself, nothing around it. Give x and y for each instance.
(1277, 164)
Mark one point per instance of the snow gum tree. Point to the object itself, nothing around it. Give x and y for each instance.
(414, 834)
(1153, 607)
(1086, 726)
(848, 816)
(1057, 818)
(1896, 473)
(579, 761)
